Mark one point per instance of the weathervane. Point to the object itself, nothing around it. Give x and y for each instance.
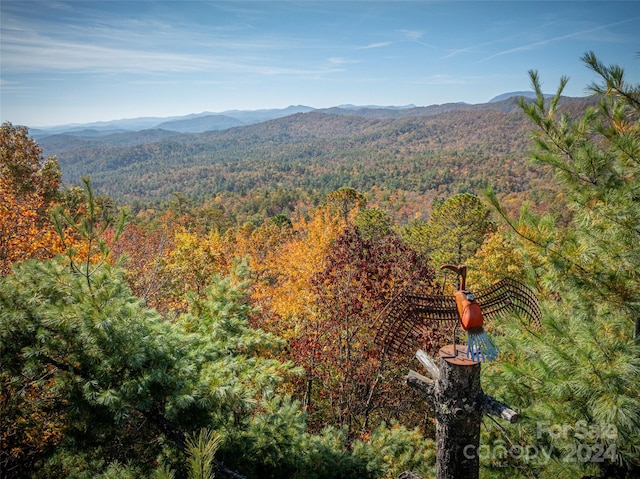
(410, 317)
(412, 321)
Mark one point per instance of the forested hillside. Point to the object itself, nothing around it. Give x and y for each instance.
(423, 153)
(179, 342)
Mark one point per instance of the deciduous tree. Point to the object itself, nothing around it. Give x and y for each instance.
(344, 368)
(23, 166)
(28, 188)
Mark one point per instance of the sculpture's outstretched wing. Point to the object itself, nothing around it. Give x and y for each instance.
(412, 320)
(509, 296)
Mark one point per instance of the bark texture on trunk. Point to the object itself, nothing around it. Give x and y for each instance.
(454, 391)
(458, 413)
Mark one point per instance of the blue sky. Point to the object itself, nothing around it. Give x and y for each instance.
(81, 61)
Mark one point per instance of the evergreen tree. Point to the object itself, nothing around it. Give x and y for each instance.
(456, 229)
(577, 381)
(344, 202)
(373, 224)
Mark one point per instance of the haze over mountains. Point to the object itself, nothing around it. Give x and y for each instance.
(419, 152)
(208, 121)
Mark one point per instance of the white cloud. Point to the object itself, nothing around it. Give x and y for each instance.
(413, 35)
(36, 54)
(375, 45)
(340, 61)
(587, 33)
(9, 85)
(120, 45)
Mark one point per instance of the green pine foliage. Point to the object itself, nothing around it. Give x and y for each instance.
(275, 444)
(373, 223)
(201, 450)
(124, 379)
(577, 381)
(122, 375)
(455, 230)
(394, 449)
(103, 360)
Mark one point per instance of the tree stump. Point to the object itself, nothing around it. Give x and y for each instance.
(454, 391)
(457, 403)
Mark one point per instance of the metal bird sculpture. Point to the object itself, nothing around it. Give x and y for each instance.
(412, 317)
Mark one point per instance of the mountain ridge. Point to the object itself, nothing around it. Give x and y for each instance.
(424, 153)
(206, 121)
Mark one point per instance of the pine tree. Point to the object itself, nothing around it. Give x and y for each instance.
(456, 229)
(577, 381)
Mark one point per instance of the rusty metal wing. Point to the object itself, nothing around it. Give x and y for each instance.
(509, 297)
(413, 320)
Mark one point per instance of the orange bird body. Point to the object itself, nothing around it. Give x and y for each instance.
(469, 310)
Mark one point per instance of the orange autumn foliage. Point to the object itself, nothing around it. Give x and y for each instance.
(24, 231)
(285, 293)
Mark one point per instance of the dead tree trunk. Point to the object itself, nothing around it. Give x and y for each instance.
(454, 391)
(458, 417)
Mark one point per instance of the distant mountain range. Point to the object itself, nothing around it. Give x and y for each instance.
(208, 121)
(422, 152)
(192, 123)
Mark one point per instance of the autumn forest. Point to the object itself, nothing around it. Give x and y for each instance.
(200, 305)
